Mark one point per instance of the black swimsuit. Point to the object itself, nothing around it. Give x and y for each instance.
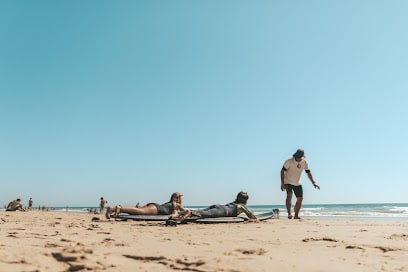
(227, 210)
(164, 209)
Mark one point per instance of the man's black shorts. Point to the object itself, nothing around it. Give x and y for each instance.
(297, 189)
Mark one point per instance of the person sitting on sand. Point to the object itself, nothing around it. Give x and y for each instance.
(174, 208)
(15, 205)
(228, 210)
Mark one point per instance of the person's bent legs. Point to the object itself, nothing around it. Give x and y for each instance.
(110, 211)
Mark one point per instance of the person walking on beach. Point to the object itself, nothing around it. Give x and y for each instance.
(290, 180)
(102, 205)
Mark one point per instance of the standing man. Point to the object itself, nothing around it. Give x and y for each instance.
(30, 204)
(102, 204)
(290, 180)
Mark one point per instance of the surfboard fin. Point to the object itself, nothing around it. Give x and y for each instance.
(171, 223)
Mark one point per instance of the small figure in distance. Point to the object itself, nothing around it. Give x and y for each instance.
(102, 204)
(174, 208)
(30, 204)
(276, 213)
(290, 180)
(15, 205)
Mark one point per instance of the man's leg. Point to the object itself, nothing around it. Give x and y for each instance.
(289, 203)
(298, 205)
(299, 198)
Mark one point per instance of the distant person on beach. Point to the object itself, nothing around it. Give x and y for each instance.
(174, 208)
(290, 180)
(232, 209)
(102, 204)
(15, 205)
(30, 204)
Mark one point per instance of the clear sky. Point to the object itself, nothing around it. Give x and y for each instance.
(133, 100)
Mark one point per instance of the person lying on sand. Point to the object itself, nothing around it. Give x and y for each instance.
(15, 205)
(228, 210)
(174, 208)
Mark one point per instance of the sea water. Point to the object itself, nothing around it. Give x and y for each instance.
(374, 211)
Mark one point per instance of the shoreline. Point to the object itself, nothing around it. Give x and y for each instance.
(283, 216)
(63, 241)
(358, 219)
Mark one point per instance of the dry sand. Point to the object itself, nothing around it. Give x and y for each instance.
(52, 241)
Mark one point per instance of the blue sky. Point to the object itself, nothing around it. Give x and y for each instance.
(132, 100)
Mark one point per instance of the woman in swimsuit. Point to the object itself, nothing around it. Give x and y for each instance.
(228, 210)
(172, 208)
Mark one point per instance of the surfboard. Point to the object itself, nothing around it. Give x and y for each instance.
(265, 216)
(195, 219)
(218, 220)
(134, 217)
(142, 217)
(162, 218)
(238, 219)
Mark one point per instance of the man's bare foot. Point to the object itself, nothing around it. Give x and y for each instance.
(290, 216)
(297, 217)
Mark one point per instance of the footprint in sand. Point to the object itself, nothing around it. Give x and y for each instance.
(259, 251)
(77, 260)
(399, 237)
(176, 264)
(319, 239)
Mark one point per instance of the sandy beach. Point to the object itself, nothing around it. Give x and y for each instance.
(58, 241)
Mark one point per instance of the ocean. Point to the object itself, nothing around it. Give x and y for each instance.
(373, 212)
